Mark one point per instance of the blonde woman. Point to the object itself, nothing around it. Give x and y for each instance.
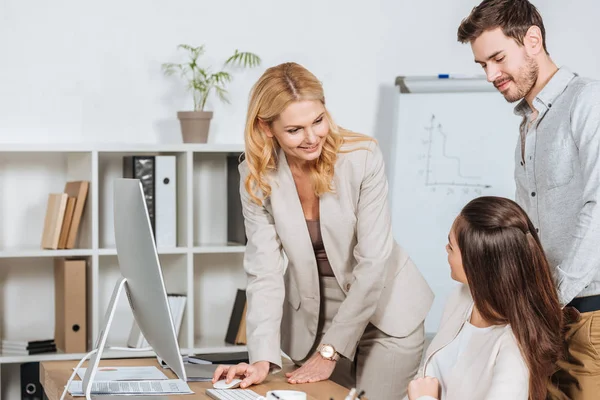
(349, 304)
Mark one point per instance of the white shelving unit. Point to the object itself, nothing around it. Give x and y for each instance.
(204, 266)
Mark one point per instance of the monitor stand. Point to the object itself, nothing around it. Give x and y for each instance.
(90, 372)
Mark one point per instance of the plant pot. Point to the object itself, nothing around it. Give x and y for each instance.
(195, 125)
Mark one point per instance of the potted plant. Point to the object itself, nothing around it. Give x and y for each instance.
(202, 82)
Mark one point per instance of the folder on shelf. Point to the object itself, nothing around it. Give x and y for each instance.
(79, 190)
(236, 331)
(165, 201)
(70, 329)
(55, 213)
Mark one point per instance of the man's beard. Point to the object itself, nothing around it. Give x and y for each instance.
(525, 81)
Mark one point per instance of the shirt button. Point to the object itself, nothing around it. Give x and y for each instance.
(532, 194)
(537, 230)
(348, 286)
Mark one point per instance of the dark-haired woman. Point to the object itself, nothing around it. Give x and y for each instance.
(500, 334)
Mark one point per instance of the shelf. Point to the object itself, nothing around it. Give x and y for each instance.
(72, 356)
(219, 248)
(205, 265)
(203, 249)
(35, 253)
(207, 345)
(121, 147)
(173, 250)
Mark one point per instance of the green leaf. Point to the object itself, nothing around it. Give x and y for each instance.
(201, 81)
(243, 59)
(221, 77)
(222, 93)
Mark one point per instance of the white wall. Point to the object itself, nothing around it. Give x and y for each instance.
(81, 71)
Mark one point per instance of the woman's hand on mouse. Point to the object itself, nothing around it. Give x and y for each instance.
(251, 374)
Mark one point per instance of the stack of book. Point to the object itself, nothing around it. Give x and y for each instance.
(63, 216)
(27, 347)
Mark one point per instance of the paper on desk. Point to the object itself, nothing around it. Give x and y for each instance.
(125, 373)
(169, 386)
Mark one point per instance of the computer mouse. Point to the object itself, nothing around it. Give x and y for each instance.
(223, 385)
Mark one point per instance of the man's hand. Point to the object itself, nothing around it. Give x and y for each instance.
(427, 386)
(250, 374)
(314, 370)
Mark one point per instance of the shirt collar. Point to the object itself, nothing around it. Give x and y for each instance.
(555, 86)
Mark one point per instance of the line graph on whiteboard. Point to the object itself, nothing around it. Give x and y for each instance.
(443, 170)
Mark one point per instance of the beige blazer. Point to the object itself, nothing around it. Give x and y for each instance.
(381, 283)
(487, 370)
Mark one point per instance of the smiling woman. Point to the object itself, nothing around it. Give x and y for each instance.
(350, 305)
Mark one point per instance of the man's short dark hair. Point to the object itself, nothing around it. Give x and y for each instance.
(514, 17)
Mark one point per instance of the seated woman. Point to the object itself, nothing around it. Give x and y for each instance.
(500, 333)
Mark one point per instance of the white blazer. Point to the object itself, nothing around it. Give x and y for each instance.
(490, 369)
(381, 283)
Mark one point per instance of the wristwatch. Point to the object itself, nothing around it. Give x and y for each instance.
(328, 352)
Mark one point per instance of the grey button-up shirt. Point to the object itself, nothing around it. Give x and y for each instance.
(557, 177)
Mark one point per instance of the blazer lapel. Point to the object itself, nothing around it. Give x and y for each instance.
(292, 229)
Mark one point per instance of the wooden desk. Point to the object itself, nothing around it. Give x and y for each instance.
(55, 374)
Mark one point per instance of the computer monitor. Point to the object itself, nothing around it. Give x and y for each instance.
(142, 280)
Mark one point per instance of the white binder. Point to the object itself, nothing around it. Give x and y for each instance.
(165, 201)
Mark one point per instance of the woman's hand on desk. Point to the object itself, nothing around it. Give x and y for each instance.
(314, 370)
(250, 374)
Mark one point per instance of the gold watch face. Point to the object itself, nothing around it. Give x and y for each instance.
(327, 351)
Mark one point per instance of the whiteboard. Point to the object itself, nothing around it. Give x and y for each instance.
(454, 141)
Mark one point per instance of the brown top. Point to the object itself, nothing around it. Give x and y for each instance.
(314, 230)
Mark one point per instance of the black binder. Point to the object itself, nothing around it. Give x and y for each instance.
(237, 315)
(236, 231)
(144, 169)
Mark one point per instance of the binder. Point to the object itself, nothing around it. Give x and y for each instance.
(236, 331)
(70, 287)
(236, 231)
(165, 201)
(142, 168)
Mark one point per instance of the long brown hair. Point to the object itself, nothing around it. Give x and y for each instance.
(514, 17)
(510, 280)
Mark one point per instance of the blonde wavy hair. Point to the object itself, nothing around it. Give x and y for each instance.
(276, 89)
